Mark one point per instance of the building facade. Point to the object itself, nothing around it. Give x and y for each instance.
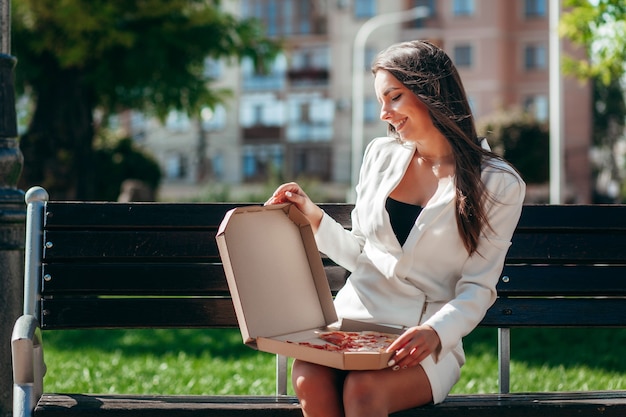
(296, 119)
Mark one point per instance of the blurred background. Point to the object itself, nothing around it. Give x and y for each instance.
(172, 100)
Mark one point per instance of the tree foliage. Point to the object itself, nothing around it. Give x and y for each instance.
(522, 140)
(78, 55)
(600, 27)
(123, 161)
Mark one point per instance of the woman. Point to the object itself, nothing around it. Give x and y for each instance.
(432, 223)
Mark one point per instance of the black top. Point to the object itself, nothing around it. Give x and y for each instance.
(402, 217)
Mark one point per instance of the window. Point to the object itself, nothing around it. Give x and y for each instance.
(213, 119)
(364, 9)
(177, 121)
(259, 162)
(310, 118)
(463, 7)
(313, 57)
(430, 4)
(534, 57)
(176, 166)
(282, 17)
(218, 166)
(274, 79)
(370, 55)
(371, 110)
(535, 8)
(472, 103)
(537, 106)
(261, 110)
(463, 56)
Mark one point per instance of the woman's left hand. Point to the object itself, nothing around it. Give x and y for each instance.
(413, 346)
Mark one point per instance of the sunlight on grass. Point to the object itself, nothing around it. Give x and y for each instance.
(215, 362)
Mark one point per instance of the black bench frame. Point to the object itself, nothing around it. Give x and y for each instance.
(566, 268)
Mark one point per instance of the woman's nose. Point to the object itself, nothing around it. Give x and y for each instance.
(385, 112)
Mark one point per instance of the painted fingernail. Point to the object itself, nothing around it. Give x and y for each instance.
(396, 368)
(391, 363)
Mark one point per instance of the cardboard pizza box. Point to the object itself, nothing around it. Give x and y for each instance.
(279, 288)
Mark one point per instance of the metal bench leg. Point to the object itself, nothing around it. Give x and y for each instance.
(504, 360)
(281, 375)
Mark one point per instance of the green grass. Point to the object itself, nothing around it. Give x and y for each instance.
(189, 362)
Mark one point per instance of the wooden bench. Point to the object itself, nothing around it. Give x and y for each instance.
(156, 265)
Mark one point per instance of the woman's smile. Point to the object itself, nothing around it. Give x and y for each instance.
(401, 108)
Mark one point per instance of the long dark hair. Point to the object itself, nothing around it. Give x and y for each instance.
(429, 73)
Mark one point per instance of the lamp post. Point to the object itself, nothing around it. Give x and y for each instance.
(12, 211)
(358, 60)
(556, 104)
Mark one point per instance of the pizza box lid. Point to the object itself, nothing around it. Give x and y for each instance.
(279, 287)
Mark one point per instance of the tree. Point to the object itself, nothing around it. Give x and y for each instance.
(75, 56)
(522, 140)
(599, 26)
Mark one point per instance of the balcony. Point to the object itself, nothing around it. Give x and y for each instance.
(262, 133)
(308, 76)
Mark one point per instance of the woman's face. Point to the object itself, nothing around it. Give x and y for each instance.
(401, 108)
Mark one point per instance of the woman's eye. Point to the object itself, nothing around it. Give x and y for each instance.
(396, 98)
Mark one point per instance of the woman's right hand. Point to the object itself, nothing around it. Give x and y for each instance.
(292, 193)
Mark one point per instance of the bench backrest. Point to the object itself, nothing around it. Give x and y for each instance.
(157, 265)
(135, 265)
(566, 267)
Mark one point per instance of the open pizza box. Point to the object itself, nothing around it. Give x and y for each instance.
(279, 288)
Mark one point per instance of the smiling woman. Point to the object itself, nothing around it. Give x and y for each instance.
(436, 278)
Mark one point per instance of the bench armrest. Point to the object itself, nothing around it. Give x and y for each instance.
(28, 365)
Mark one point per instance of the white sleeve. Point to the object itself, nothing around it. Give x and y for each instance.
(476, 289)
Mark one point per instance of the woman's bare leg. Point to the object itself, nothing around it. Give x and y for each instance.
(379, 393)
(319, 389)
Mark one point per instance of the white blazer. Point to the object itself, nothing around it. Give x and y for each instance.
(431, 279)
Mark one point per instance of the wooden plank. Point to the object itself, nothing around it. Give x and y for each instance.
(340, 212)
(63, 313)
(566, 280)
(146, 278)
(557, 312)
(218, 312)
(62, 405)
(596, 217)
(94, 215)
(573, 247)
(138, 245)
(553, 404)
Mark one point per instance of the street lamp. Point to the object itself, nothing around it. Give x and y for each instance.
(358, 59)
(556, 111)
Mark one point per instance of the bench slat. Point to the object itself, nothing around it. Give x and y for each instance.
(596, 217)
(60, 313)
(130, 312)
(152, 278)
(131, 244)
(94, 215)
(566, 280)
(572, 247)
(557, 312)
(149, 278)
(561, 404)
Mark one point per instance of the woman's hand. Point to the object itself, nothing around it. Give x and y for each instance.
(413, 346)
(292, 193)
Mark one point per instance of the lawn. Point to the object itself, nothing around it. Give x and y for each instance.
(216, 362)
